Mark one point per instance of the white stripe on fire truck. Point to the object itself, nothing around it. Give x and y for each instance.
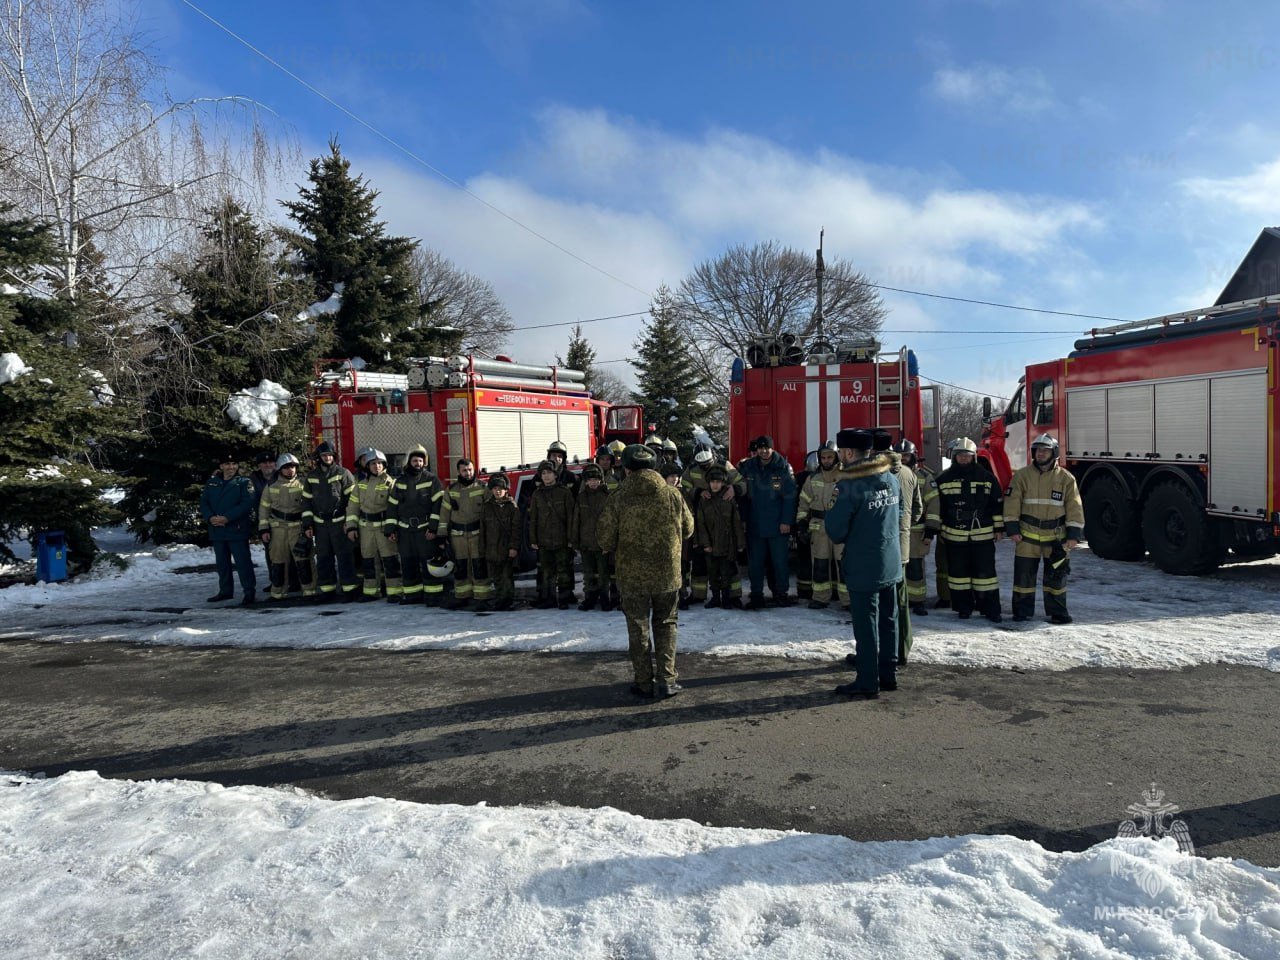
(812, 412)
(833, 402)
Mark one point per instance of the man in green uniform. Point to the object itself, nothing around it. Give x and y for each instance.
(366, 521)
(645, 525)
(460, 521)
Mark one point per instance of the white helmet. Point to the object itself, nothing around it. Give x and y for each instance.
(373, 455)
(962, 445)
(669, 445)
(704, 457)
(285, 460)
(1045, 440)
(440, 568)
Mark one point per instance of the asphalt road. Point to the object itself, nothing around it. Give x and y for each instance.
(754, 742)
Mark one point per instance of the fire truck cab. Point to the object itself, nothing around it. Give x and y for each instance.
(1169, 426)
(801, 396)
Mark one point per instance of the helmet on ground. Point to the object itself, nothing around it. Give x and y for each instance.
(962, 445)
(548, 465)
(669, 446)
(499, 480)
(1045, 440)
(323, 447)
(704, 456)
(555, 446)
(638, 457)
(440, 566)
(592, 472)
(285, 460)
(302, 548)
(616, 447)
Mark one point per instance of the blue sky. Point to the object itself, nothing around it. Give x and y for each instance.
(1112, 158)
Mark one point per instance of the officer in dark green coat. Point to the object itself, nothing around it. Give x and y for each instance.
(867, 517)
(227, 503)
(645, 524)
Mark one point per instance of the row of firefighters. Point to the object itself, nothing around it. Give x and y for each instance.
(414, 540)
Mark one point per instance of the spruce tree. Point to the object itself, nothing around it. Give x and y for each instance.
(667, 384)
(341, 244)
(580, 355)
(240, 326)
(56, 419)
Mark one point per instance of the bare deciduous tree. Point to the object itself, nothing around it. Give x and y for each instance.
(453, 297)
(94, 148)
(961, 415)
(608, 386)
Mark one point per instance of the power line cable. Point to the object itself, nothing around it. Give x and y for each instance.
(409, 153)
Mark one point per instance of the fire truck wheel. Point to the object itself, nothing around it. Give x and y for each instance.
(1111, 518)
(1180, 535)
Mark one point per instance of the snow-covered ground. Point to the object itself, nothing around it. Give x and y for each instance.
(103, 868)
(1127, 615)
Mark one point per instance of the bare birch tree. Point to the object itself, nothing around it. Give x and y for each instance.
(93, 147)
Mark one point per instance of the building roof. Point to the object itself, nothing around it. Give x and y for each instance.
(1259, 272)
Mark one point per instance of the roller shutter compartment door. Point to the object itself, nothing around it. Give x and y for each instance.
(1238, 445)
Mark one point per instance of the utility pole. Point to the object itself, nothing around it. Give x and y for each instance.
(818, 272)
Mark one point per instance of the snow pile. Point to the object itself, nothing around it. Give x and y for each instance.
(323, 307)
(93, 867)
(702, 438)
(257, 408)
(9, 290)
(11, 367)
(46, 472)
(101, 390)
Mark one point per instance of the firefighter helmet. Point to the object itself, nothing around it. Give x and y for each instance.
(907, 450)
(828, 447)
(285, 460)
(811, 462)
(653, 440)
(302, 548)
(323, 447)
(440, 566)
(606, 452)
(373, 455)
(669, 446)
(418, 451)
(704, 456)
(616, 447)
(962, 445)
(1046, 440)
(555, 446)
(363, 453)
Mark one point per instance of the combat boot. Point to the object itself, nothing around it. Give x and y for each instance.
(607, 603)
(730, 600)
(816, 604)
(713, 600)
(589, 601)
(757, 602)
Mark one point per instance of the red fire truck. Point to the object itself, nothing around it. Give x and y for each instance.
(802, 396)
(1169, 425)
(500, 414)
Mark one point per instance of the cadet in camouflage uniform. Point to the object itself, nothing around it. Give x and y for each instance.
(366, 522)
(644, 525)
(586, 516)
(816, 498)
(550, 517)
(460, 521)
(1044, 517)
(327, 490)
(280, 525)
(719, 535)
(500, 523)
(413, 515)
(693, 483)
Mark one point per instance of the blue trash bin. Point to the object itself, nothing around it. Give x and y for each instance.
(51, 556)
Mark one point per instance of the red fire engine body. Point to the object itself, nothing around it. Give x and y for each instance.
(803, 401)
(1169, 425)
(500, 415)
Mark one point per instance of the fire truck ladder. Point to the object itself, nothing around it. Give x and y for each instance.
(891, 393)
(1187, 316)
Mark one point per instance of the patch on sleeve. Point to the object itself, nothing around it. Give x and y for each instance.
(1057, 495)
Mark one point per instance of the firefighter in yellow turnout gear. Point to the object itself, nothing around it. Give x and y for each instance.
(1045, 518)
(366, 521)
(280, 526)
(815, 500)
(917, 591)
(460, 515)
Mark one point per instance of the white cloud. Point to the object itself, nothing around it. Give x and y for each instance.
(1256, 192)
(987, 85)
(647, 206)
